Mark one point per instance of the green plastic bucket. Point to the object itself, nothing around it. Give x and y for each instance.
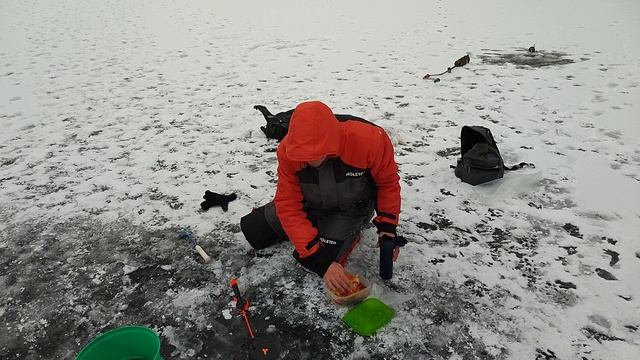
(123, 343)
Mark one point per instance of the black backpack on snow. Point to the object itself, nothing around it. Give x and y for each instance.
(480, 160)
(278, 124)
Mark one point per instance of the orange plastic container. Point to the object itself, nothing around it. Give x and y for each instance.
(352, 298)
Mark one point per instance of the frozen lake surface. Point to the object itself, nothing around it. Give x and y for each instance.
(116, 116)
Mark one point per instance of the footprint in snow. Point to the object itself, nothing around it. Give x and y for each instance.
(566, 284)
(615, 257)
(572, 230)
(605, 274)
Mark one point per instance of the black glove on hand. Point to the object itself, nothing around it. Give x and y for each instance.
(398, 241)
(214, 199)
(319, 261)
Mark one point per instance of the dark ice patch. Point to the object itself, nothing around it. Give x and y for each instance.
(410, 178)
(172, 201)
(476, 287)
(446, 192)
(426, 226)
(534, 205)
(522, 248)
(500, 238)
(447, 332)
(526, 59)
(75, 280)
(547, 354)
(571, 250)
(7, 161)
(495, 213)
(599, 336)
(572, 230)
(566, 284)
(161, 164)
(138, 274)
(440, 220)
(550, 195)
(449, 152)
(556, 294)
(413, 177)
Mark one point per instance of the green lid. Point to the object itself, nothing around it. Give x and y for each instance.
(124, 343)
(368, 316)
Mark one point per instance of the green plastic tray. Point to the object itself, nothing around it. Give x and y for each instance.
(368, 316)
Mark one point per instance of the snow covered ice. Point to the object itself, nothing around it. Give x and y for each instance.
(116, 116)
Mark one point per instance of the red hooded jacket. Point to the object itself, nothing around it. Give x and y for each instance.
(314, 132)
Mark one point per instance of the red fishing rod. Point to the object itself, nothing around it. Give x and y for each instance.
(261, 348)
(242, 307)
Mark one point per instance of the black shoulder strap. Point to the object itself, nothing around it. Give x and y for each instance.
(514, 167)
(519, 166)
(346, 117)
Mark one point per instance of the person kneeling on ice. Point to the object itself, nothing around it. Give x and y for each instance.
(332, 175)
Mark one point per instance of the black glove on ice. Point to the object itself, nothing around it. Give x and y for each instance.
(213, 199)
(319, 261)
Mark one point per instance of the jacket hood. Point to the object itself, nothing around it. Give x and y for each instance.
(314, 132)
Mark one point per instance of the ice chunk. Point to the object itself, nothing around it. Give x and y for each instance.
(226, 313)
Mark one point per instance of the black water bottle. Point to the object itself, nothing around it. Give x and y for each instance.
(386, 257)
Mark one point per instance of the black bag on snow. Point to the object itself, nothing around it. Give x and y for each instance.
(278, 124)
(480, 160)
